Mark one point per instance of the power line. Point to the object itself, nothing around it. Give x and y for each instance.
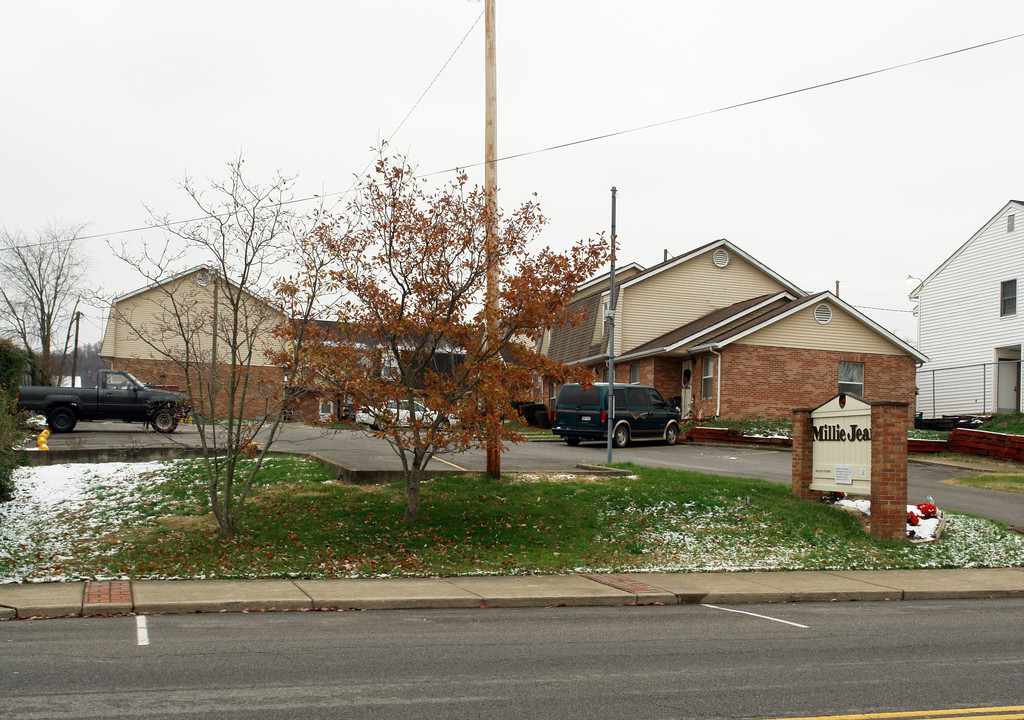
(735, 106)
(868, 307)
(414, 106)
(312, 197)
(446, 62)
(628, 131)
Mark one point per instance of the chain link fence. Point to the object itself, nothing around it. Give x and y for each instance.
(980, 389)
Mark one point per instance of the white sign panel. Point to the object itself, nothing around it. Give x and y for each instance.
(841, 443)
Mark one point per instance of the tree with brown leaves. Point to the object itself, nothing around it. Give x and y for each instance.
(408, 268)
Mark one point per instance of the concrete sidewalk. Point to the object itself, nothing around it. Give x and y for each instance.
(187, 596)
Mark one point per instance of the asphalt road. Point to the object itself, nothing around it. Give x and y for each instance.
(688, 661)
(356, 449)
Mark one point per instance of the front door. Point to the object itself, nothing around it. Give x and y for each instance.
(687, 393)
(1008, 388)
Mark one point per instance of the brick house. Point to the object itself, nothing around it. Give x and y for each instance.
(151, 331)
(726, 336)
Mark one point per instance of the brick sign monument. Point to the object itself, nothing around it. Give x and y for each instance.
(857, 447)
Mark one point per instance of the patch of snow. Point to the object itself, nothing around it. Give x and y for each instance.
(927, 529)
(54, 506)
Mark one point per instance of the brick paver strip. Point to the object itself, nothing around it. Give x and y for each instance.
(620, 582)
(111, 591)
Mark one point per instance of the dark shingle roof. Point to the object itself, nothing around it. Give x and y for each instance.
(569, 344)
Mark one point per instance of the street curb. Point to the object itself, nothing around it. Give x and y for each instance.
(122, 597)
(106, 455)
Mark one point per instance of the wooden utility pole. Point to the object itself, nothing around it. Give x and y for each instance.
(491, 189)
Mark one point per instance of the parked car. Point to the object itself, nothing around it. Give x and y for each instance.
(640, 413)
(398, 412)
(118, 395)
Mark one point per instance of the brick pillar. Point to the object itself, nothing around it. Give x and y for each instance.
(889, 470)
(803, 455)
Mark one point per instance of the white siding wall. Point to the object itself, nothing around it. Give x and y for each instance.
(959, 322)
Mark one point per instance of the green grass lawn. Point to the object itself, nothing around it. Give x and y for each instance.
(1011, 423)
(301, 523)
(1007, 482)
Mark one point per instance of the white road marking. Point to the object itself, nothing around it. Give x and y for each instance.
(141, 630)
(763, 617)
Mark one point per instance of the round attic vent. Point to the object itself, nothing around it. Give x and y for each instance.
(823, 314)
(721, 257)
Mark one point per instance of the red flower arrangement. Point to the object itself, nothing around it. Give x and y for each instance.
(913, 518)
(927, 510)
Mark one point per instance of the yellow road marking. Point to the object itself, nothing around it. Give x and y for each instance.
(960, 713)
(448, 463)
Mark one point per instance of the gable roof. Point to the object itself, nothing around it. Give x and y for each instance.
(577, 344)
(915, 293)
(622, 274)
(704, 249)
(164, 281)
(784, 311)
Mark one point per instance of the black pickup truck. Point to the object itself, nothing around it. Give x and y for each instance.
(118, 395)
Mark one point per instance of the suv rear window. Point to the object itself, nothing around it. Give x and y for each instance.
(575, 395)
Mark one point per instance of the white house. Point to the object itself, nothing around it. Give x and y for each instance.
(970, 323)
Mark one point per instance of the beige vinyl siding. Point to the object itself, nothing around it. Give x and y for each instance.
(843, 333)
(109, 344)
(148, 325)
(684, 293)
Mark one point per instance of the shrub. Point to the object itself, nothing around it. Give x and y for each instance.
(12, 367)
(12, 435)
(530, 411)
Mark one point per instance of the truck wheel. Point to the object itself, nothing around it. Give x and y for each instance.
(572, 441)
(62, 419)
(620, 437)
(164, 421)
(672, 434)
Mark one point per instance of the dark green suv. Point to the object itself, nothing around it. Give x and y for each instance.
(640, 414)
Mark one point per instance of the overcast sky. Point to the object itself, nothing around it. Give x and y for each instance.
(108, 106)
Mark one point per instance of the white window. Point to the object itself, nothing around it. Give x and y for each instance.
(1008, 298)
(1009, 223)
(707, 380)
(634, 374)
(326, 410)
(851, 378)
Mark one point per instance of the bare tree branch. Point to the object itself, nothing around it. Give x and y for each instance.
(42, 281)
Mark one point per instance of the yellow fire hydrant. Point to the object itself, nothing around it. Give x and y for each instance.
(41, 440)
